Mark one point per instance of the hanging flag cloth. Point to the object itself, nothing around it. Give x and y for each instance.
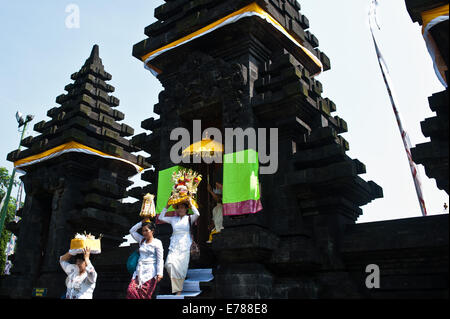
(248, 11)
(390, 88)
(241, 194)
(430, 19)
(67, 148)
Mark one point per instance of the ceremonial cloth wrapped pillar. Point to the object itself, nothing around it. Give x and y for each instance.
(241, 194)
(430, 19)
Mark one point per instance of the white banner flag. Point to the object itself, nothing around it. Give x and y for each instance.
(390, 89)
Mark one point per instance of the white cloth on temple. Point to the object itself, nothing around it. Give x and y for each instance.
(79, 286)
(177, 261)
(433, 50)
(151, 257)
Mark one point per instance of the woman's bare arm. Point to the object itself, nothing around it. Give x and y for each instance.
(66, 257)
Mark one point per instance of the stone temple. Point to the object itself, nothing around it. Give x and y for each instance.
(433, 155)
(75, 191)
(231, 64)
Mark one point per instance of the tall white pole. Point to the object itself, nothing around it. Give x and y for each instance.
(390, 89)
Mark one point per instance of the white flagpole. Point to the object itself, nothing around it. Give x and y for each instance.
(389, 86)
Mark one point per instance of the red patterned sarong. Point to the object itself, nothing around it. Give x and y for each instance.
(144, 292)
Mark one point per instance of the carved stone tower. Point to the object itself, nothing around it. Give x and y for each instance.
(251, 64)
(77, 171)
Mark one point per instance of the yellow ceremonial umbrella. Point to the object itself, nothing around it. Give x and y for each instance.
(206, 148)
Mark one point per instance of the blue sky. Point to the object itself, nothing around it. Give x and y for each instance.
(39, 53)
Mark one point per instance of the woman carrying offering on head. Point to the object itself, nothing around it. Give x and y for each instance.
(149, 270)
(81, 276)
(177, 261)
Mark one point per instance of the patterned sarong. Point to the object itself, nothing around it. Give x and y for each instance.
(143, 292)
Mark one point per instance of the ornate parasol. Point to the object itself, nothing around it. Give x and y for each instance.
(206, 148)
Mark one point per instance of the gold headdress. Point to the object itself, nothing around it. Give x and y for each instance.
(185, 186)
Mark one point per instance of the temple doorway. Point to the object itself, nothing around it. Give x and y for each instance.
(212, 173)
(42, 210)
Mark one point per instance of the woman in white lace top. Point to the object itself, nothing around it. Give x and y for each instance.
(81, 277)
(177, 261)
(149, 270)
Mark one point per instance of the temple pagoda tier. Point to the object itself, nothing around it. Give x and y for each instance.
(77, 171)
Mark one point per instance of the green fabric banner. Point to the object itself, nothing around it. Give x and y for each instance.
(241, 193)
(165, 186)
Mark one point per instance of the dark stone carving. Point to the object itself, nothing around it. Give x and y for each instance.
(304, 244)
(245, 75)
(298, 246)
(74, 192)
(433, 155)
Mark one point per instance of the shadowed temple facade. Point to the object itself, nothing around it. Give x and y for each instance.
(240, 64)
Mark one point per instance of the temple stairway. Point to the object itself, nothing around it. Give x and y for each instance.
(198, 285)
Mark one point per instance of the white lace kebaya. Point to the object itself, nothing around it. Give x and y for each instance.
(177, 261)
(151, 257)
(79, 286)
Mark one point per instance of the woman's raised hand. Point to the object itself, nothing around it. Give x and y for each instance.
(87, 253)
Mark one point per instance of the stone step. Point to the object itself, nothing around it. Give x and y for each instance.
(183, 295)
(197, 282)
(200, 274)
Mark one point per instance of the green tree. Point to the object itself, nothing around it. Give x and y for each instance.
(4, 181)
(10, 213)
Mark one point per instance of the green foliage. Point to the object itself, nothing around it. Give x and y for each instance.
(6, 235)
(4, 181)
(10, 213)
